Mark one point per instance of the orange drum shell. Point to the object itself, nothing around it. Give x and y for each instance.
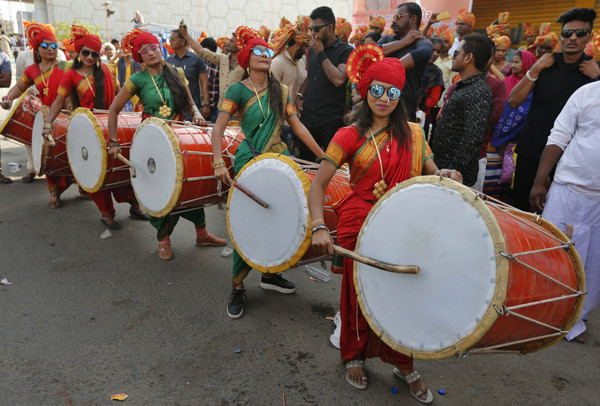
(19, 125)
(128, 122)
(55, 161)
(524, 286)
(203, 192)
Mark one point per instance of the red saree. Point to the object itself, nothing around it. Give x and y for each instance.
(86, 88)
(348, 146)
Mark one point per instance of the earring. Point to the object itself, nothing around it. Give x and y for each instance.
(163, 62)
(270, 74)
(248, 70)
(79, 59)
(143, 66)
(97, 64)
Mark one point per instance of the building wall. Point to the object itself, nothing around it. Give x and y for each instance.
(217, 17)
(521, 12)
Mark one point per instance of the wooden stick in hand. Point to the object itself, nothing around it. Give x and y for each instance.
(128, 163)
(410, 269)
(249, 194)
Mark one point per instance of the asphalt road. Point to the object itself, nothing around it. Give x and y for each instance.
(86, 318)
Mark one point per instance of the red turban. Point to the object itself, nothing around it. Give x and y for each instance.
(81, 37)
(135, 39)
(247, 38)
(244, 55)
(367, 63)
(36, 33)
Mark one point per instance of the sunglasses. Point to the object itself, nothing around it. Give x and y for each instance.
(317, 28)
(581, 32)
(87, 53)
(393, 92)
(152, 48)
(456, 53)
(263, 51)
(46, 45)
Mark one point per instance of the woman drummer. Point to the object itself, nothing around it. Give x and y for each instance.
(263, 103)
(93, 86)
(164, 93)
(382, 149)
(45, 74)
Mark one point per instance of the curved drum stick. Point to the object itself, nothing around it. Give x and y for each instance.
(128, 163)
(249, 194)
(50, 139)
(410, 269)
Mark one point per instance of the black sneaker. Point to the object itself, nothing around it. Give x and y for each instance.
(235, 308)
(278, 283)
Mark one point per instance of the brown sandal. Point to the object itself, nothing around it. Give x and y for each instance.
(4, 179)
(30, 177)
(54, 202)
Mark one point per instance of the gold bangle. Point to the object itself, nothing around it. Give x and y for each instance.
(46, 125)
(218, 163)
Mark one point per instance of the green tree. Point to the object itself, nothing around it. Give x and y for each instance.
(63, 29)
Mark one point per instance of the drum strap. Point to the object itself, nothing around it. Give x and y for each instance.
(255, 153)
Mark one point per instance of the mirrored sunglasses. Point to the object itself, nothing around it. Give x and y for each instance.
(45, 45)
(393, 92)
(263, 51)
(581, 32)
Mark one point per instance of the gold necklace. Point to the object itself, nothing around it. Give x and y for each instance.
(380, 187)
(165, 110)
(259, 103)
(44, 81)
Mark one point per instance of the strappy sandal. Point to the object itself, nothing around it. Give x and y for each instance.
(54, 202)
(30, 177)
(412, 378)
(4, 179)
(357, 363)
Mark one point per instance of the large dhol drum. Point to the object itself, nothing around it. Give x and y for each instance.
(275, 239)
(492, 279)
(50, 159)
(87, 147)
(174, 165)
(18, 124)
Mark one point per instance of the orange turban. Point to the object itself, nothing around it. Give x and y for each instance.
(264, 32)
(502, 41)
(546, 37)
(529, 30)
(500, 27)
(377, 22)
(466, 16)
(444, 32)
(343, 27)
(222, 43)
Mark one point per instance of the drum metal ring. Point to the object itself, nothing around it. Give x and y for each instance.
(84, 153)
(151, 165)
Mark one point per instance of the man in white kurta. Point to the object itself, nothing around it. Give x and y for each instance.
(573, 200)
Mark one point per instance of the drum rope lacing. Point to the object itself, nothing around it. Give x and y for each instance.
(509, 310)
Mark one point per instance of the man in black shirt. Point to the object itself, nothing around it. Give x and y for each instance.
(324, 89)
(553, 79)
(413, 50)
(467, 112)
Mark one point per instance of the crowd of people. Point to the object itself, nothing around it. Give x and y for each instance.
(516, 124)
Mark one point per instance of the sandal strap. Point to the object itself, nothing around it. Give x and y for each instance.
(355, 363)
(412, 377)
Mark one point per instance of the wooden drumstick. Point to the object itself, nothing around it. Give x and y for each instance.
(410, 269)
(50, 139)
(249, 194)
(128, 163)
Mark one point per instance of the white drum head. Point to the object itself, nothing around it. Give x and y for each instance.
(86, 150)
(436, 225)
(274, 239)
(37, 141)
(159, 168)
